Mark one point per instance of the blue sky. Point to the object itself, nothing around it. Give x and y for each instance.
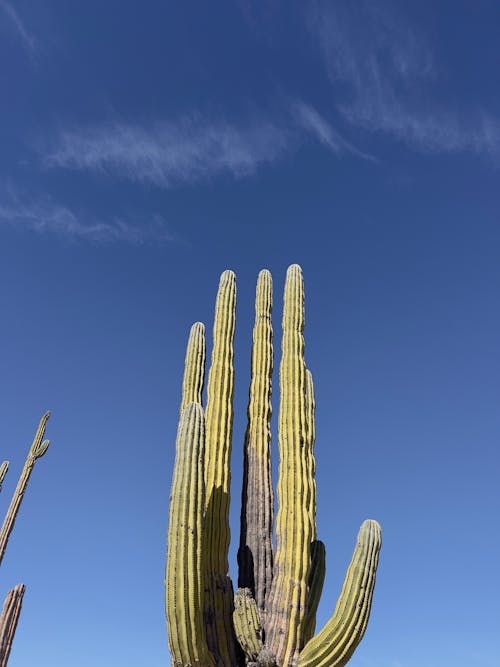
(146, 147)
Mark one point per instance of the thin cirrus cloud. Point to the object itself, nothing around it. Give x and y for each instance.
(169, 154)
(385, 75)
(22, 33)
(47, 217)
(313, 122)
(187, 152)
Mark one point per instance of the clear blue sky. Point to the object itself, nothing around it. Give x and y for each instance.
(146, 147)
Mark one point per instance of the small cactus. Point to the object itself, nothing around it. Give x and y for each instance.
(270, 621)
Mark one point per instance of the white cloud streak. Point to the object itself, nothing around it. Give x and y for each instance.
(386, 76)
(170, 154)
(25, 37)
(49, 218)
(312, 121)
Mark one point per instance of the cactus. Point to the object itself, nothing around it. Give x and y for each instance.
(8, 621)
(3, 471)
(270, 621)
(36, 451)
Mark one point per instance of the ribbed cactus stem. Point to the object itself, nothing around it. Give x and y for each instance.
(37, 450)
(3, 471)
(184, 568)
(219, 422)
(315, 585)
(247, 624)
(255, 555)
(310, 440)
(287, 603)
(337, 641)
(8, 621)
(194, 366)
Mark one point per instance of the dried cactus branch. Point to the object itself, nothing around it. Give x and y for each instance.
(8, 621)
(255, 555)
(37, 450)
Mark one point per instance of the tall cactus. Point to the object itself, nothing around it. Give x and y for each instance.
(36, 451)
(271, 620)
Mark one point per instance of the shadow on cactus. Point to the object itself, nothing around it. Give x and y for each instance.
(272, 617)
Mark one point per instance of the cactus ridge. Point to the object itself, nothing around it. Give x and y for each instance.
(247, 624)
(8, 621)
(219, 421)
(270, 622)
(255, 555)
(183, 577)
(194, 366)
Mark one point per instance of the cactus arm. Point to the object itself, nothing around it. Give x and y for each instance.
(255, 555)
(8, 621)
(337, 641)
(194, 366)
(315, 584)
(219, 419)
(37, 450)
(3, 471)
(288, 598)
(247, 624)
(183, 575)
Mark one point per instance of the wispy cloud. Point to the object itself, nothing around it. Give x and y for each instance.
(49, 218)
(169, 154)
(312, 121)
(386, 80)
(27, 39)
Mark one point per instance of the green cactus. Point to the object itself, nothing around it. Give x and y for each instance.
(8, 621)
(271, 619)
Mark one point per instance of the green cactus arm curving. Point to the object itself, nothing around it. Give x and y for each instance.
(194, 366)
(247, 624)
(3, 471)
(287, 603)
(255, 554)
(219, 603)
(8, 621)
(37, 450)
(334, 645)
(183, 573)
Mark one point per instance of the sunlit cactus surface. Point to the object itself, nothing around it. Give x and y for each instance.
(270, 620)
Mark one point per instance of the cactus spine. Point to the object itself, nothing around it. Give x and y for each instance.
(8, 621)
(37, 450)
(273, 615)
